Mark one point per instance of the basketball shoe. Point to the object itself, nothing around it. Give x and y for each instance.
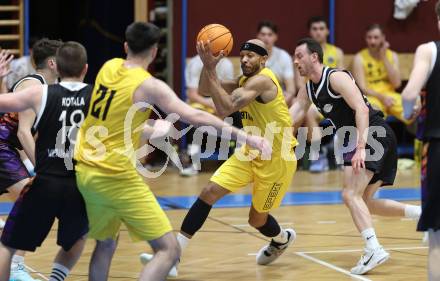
(271, 252)
(370, 259)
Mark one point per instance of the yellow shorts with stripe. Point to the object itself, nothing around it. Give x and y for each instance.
(123, 198)
(270, 179)
(395, 110)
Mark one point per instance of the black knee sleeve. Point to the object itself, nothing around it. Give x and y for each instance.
(271, 228)
(195, 217)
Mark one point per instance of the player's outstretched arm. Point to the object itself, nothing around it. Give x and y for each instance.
(417, 79)
(22, 100)
(299, 107)
(158, 93)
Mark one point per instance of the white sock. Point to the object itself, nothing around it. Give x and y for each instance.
(282, 237)
(183, 241)
(59, 272)
(370, 239)
(413, 211)
(17, 259)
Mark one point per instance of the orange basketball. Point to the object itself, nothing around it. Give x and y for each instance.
(219, 36)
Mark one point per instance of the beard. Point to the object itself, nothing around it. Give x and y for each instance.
(250, 71)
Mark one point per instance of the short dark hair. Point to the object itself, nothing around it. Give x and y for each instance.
(71, 58)
(268, 24)
(141, 36)
(313, 47)
(44, 49)
(437, 9)
(316, 19)
(375, 26)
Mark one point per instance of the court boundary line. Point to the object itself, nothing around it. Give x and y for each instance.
(305, 255)
(36, 272)
(331, 266)
(361, 250)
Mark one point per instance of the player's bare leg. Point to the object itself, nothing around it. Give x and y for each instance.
(355, 185)
(101, 259)
(66, 260)
(18, 269)
(389, 208)
(166, 254)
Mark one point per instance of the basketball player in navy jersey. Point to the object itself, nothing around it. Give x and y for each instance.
(59, 110)
(339, 99)
(15, 135)
(426, 73)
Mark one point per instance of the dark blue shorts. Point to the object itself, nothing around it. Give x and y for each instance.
(32, 217)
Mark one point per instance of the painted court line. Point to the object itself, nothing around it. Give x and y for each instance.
(355, 250)
(247, 225)
(331, 266)
(326, 222)
(361, 250)
(36, 272)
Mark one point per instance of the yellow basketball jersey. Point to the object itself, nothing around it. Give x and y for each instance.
(110, 134)
(265, 116)
(376, 73)
(330, 55)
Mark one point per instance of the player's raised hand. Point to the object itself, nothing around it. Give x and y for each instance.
(261, 144)
(206, 55)
(5, 60)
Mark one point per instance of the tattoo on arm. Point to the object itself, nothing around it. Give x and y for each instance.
(236, 98)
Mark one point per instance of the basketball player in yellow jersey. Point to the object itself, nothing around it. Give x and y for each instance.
(376, 70)
(259, 98)
(113, 190)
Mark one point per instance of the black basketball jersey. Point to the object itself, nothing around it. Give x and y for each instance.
(35, 76)
(63, 109)
(432, 102)
(331, 104)
(9, 121)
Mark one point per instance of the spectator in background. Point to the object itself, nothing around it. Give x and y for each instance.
(21, 67)
(318, 30)
(225, 71)
(376, 70)
(279, 61)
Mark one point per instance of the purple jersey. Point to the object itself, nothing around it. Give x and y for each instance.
(8, 129)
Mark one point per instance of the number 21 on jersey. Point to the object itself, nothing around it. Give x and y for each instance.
(101, 105)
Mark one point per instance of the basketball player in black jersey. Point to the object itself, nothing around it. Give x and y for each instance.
(15, 135)
(59, 111)
(339, 99)
(426, 74)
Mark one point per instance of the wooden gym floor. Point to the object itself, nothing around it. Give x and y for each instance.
(327, 245)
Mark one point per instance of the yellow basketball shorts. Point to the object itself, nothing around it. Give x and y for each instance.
(115, 199)
(270, 179)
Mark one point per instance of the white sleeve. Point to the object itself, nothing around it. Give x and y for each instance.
(192, 74)
(287, 65)
(225, 70)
